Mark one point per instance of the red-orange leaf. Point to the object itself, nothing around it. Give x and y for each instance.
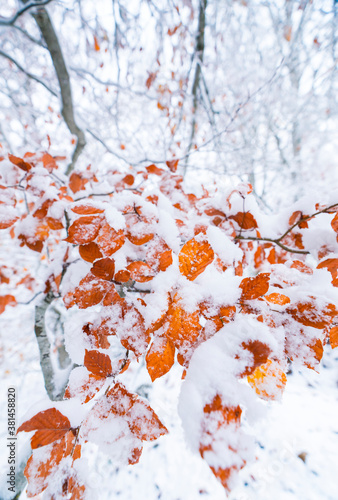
(334, 337)
(194, 257)
(84, 230)
(160, 357)
(6, 222)
(152, 169)
(122, 276)
(90, 252)
(245, 220)
(19, 162)
(172, 165)
(334, 223)
(252, 288)
(260, 352)
(104, 269)
(6, 300)
(50, 425)
(332, 267)
(98, 363)
(308, 314)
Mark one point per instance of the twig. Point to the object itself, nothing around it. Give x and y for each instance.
(27, 73)
(11, 21)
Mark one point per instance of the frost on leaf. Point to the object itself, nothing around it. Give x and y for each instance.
(50, 425)
(142, 420)
(252, 288)
(84, 230)
(268, 380)
(194, 257)
(160, 357)
(308, 314)
(119, 422)
(140, 271)
(109, 240)
(83, 385)
(44, 463)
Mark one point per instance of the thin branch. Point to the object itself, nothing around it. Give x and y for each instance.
(11, 21)
(308, 217)
(27, 73)
(276, 242)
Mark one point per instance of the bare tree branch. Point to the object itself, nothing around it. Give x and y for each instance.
(48, 32)
(27, 73)
(11, 21)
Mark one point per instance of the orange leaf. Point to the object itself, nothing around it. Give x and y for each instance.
(110, 240)
(334, 223)
(77, 182)
(194, 257)
(19, 162)
(331, 265)
(7, 221)
(160, 357)
(334, 337)
(50, 425)
(98, 363)
(84, 230)
(96, 44)
(244, 220)
(104, 269)
(277, 298)
(181, 327)
(89, 292)
(268, 380)
(6, 300)
(252, 288)
(303, 268)
(90, 252)
(86, 210)
(140, 271)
